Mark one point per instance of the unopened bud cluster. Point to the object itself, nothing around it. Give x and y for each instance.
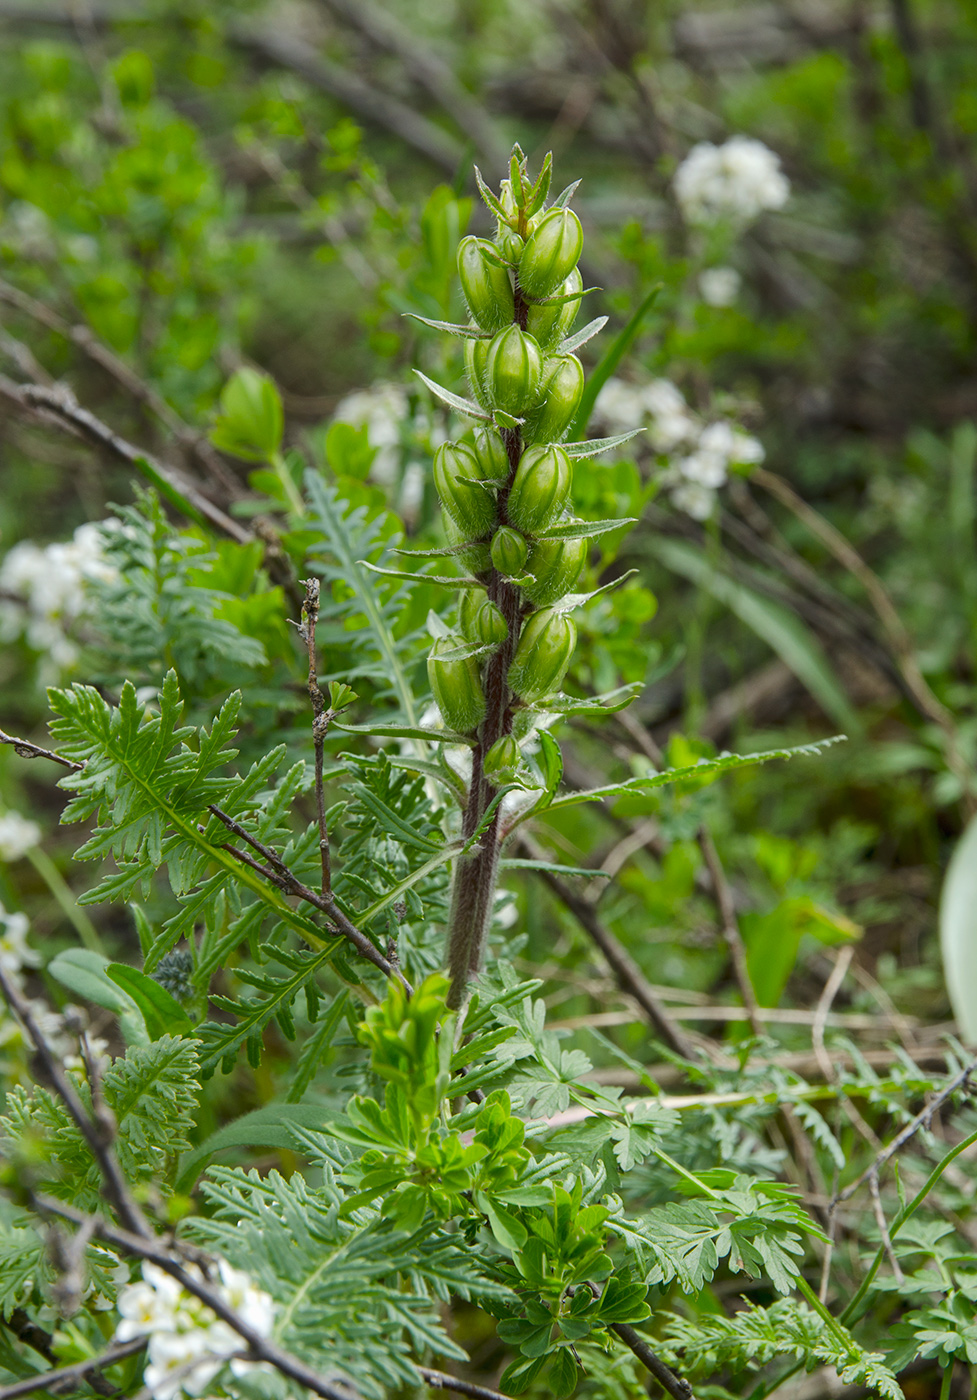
(505, 490)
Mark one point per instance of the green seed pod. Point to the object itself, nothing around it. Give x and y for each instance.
(456, 473)
(542, 656)
(487, 288)
(492, 456)
(540, 488)
(457, 687)
(513, 367)
(501, 763)
(476, 353)
(549, 324)
(560, 392)
(509, 551)
(475, 558)
(551, 253)
(555, 566)
(481, 622)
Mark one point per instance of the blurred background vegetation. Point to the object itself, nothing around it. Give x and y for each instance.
(185, 188)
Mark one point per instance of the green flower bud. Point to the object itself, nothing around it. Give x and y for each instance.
(487, 288)
(476, 353)
(457, 687)
(251, 422)
(513, 367)
(475, 558)
(556, 566)
(551, 253)
(510, 245)
(549, 324)
(501, 763)
(492, 456)
(542, 656)
(540, 488)
(481, 622)
(456, 473)
(560, 392)
(509, 551)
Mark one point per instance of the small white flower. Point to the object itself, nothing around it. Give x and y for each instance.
(703, 468)
(17, 835)
(746, 450)
(737, 180)
(694, 499)
(719, 285)
(620, 405)
(381, 410)
(14, 950)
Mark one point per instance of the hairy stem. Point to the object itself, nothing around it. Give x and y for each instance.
(476, 875)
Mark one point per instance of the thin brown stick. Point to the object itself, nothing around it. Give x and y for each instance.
(628, 974)
(676, 1386)
(26, 749)
(79, 1371)
(959, 1080)
(731, 928)
(895, 629)
(320, 723)
(831, 988)
(880, 1220)
(440, 1380)
(64, 407)
(98, 1135)
(288, 882)
(259, 1348)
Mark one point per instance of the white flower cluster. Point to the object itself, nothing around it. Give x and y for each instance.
(50, 582)
(17, 835)
(719, 286)
(16, 954)
(188, 1343)
(735, 181)
(700, 454)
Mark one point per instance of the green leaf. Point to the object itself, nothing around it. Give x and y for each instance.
(958, 932)
(264, 1127)
(593, 447)
(783, 632)
(584, 529)
(84, 973)
(454, 401)
(507, 1228)
(615, 352)
(162, 1013)
(468, 332)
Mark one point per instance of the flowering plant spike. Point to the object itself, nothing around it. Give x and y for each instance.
(500, 497)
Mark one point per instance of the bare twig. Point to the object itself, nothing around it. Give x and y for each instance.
(62, 405)
(81, 1370)
(150, 1247)
(629, 976)
(26, 749)
(831, 988)
(320, 723)
(94, 1133)
(676, 1386)
(363, 98)
(731, 928)
(959, 1080)
(439, 1380)
(384, 30)
(880, 1220)
(283, 877)
(895, 629)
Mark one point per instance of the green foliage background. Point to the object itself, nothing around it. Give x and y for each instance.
(188, 189)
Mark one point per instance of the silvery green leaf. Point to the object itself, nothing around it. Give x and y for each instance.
(454, 401)
(593, 447)
(588, 332)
